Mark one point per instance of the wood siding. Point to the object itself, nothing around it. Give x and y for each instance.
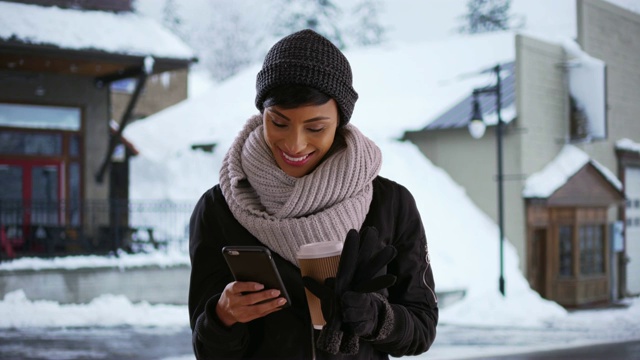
(543, 249)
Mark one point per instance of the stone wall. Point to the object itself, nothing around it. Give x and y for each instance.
(154, 284)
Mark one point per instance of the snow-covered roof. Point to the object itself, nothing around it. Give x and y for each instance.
(556, 173)
(628, 145)
(72, 29)
(458, 115)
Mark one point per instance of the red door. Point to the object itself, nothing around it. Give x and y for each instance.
(30, 194)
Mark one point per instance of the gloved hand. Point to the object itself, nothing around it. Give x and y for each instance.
(349, 303)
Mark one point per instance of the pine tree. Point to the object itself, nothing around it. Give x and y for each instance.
(488, 15)
(172, 20)
(322, 16)
(227, 46)
(230, 36)
(367, 29)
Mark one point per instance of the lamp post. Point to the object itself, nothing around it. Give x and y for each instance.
(477, 128)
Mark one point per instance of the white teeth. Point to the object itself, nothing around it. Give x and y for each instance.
(292, 159)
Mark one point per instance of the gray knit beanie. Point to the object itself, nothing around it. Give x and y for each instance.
(308, 58)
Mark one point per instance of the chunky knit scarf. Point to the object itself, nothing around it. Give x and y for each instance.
(284, 212)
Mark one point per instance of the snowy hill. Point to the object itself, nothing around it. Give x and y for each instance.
(400, 87)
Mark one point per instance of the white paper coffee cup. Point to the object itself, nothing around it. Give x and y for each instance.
(319, 261)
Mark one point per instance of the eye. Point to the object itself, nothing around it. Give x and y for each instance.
(277, 124)
(316, 130)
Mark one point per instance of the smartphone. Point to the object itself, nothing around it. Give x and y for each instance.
(255, 263)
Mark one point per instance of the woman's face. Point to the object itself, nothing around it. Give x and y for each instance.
(300, 137)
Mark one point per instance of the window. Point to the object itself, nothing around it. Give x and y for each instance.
(45, 195)
(74, 193)
(39, 117)
(592, 250)
(588, 114)
(126, 86)
(40, 165)
(566, 250)
(10, 194)
(74, 146)
(577, 121)
(21, 143)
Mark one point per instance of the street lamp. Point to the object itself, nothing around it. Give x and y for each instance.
(477, 128)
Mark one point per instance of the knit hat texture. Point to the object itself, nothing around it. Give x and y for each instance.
(308, 58)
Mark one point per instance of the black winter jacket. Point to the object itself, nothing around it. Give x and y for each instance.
(288, 333)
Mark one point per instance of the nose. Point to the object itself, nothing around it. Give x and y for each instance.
(295, 142)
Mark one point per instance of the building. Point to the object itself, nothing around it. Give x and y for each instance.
(63, 160)
(560, 102)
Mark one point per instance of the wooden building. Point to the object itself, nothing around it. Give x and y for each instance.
(568, 236)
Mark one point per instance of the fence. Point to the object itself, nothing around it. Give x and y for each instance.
(51, 228)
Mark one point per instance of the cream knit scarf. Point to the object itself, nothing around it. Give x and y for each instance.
(285, 212)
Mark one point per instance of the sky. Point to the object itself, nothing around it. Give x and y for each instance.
(402, 84)
(415, 20)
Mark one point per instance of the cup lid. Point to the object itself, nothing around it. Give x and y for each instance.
(321, 249)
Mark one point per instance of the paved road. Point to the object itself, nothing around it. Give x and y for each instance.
(134, 343)
(96, 343)
(616, 351)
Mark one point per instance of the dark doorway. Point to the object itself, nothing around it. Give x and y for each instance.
(538, 266)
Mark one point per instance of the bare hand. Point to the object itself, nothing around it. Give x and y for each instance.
(242, 302)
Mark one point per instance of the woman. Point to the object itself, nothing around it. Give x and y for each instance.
(299, 173)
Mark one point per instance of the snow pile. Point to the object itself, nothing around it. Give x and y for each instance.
(16, 311)
(424, 81)
(463, 245)
(407, 96)
(405, 86)
(123, 260)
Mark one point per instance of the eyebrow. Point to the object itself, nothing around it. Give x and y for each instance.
(317, 118)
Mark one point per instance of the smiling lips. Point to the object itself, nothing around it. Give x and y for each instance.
(295, 161)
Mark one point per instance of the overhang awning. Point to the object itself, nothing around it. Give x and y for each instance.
(47, 59)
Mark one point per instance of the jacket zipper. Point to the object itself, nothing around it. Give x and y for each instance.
(313, 347)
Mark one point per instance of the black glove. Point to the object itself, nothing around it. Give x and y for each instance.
(348, 303)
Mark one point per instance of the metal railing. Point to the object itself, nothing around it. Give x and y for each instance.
(57, 228)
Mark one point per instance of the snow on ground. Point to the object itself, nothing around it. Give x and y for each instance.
(172, 257)
(586, 327)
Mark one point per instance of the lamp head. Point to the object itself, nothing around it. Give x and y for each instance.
(476, 125)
